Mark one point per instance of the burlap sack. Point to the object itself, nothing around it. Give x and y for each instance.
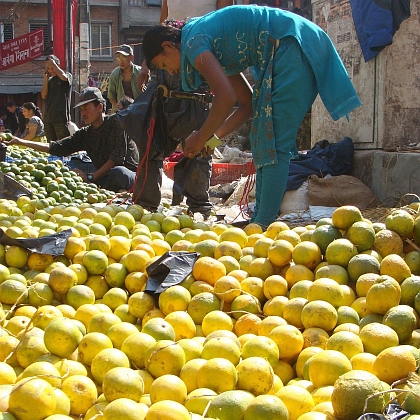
(340, 190)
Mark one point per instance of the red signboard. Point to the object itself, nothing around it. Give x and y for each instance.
(21, 50)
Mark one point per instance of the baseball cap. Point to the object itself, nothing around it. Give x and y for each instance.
(125, 50)
(90, 94)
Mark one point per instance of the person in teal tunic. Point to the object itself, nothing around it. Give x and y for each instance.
(295, 61)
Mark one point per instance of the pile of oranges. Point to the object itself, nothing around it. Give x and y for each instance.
(307, 323)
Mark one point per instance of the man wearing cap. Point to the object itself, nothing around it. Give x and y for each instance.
(113, 153)
(123, 79)
(16, 118)
(56, 91)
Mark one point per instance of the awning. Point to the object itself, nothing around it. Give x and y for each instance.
(13, 85)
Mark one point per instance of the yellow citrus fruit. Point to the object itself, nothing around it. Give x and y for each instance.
(275, 228)
(364, 283)
(326, 367)
(261, 267)
(401, 222)
(298, 272)
(140, 303)
(182, 324)
(314, 336)
(227, 288)
(174, 298)
(363, 361)
(218, 374)
(350, 395)
(261, 247)
(383, 294)
(168, 387)
(221, 347)
(303, 357)
(394, 266)
(32, 399)
(345, 342)
(297, 400)
(135, 282)
(81, 392)
(280, 252)
(393, 364)
(292, 311)
(319, 314)
(275, 285)
(167, 410)
(268, 407)
(201, 304)
(122, 382)
(135, 347)
(327, 290)
(102, 322)
(16, 256)
(409, 289)
(343, 217)
(200, 287)
(307, 254)
(216, 320)
(62, 279)
(269, 323)
(62, 337)
(340, 252)
(388, 242)
(119, 332)
(275, 306)
(39, 261)
(263, 347)
(323, 235)
(106, 360)
(252, 228)
(44, 370)
(403, 319)
(192, 348)
(206, 248)
(189, 373)
(412, 259)
(289, 340)
(332, 271)
(300, 289)
(255, 375)
(209, 270)
(229, 405)
(377, 337)
(362, 235)
(120, 246)
(40, 294)
(346, 315)
(362, 264)
(253, 238)
(159, 329)
(230, 263)
(234, 234)
(198, 399)
(164, 357)
(228, 248)
(255, 287)
(290, 236)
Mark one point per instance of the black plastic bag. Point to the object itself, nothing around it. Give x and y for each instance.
(51, 244)
(392, 412)
(170, 269)
(11, 189)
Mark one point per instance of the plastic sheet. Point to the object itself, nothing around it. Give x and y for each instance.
(391, 412)
(11, 189)
(170, 269)
(52, 244)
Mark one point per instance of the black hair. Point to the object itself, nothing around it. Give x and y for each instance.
(10, 103)
(31, 106)
(154, 37)
(53, 58)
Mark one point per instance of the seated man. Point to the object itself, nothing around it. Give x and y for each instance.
(113, 154)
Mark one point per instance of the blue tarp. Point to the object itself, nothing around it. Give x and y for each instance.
(323, 159)
(376, 22)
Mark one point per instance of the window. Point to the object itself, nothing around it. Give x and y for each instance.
(153, 3)
(6, 32)
(100, 40)
(33, 26)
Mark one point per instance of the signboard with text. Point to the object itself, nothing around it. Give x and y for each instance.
(22, 49)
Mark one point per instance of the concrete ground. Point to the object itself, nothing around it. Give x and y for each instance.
(393, 177)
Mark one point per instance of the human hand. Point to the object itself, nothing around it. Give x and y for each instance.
(194, 145)
(80, 173)
(143, 79)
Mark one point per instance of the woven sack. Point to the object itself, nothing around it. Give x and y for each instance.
(341, 190)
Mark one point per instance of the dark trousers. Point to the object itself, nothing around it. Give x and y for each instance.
(192, 180)
(148, 184)
(56, 130)
(118, 178)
